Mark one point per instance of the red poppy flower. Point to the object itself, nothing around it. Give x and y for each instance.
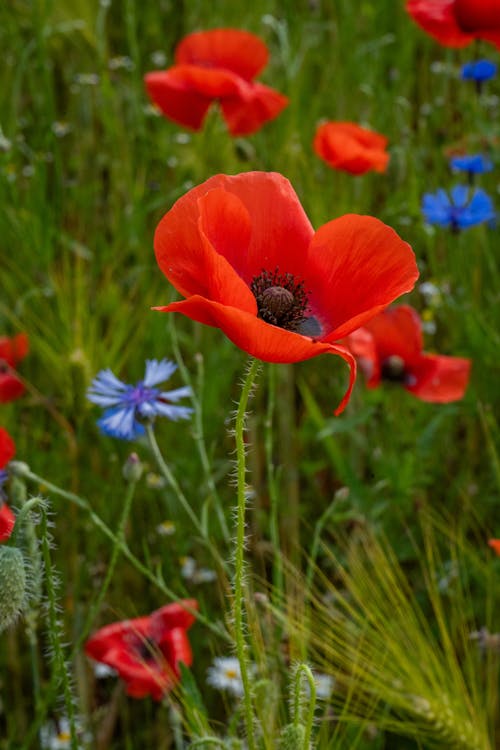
(456, 23)
(217, 65)
(389, 347)
(244, 254)
(351, 148)
(12, 351)
(7, 451)
(495, 545)
(146, 652)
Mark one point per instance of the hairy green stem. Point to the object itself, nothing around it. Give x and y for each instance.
(23, 470)
(238, 615)
(305, 670)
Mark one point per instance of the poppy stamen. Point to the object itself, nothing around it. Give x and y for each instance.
(281, 299)
(394, 369)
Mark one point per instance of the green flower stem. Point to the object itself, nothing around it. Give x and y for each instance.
(278, 584)
(238, 617)
(55, 635)
(117, 545)
(199, 435)
(305, 670)
(23, 470)
(174, 484)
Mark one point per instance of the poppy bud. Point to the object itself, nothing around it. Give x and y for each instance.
(292, 737)
(132, 468)
(12, 585)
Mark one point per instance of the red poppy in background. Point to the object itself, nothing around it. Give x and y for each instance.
(495, 545)
(244, 254)
(389, 347)
(351, 148)
(146, 652)
(12, 351)
(7, 451)
(217, 65)
(456, 23)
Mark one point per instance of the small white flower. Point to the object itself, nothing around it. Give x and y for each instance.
(188, 567)
(166, 528)
(324, 685)
(54, 737)
(225, 674)
(101, 671)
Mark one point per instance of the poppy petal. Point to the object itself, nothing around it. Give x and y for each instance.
(178, 649)
(357, 266)
(238, 51)
(175, 615)
(7, 522)
(478, 15)
(362, 345)
(278, 238)
(184, 245)
(438, 18)
(13, 350)
(439, 379)
(495, 545)
(254, 105)
(397, 332)
(351, 148)
(10, 387)
(114, 636)
(183, 105)
(152, 676)
(258, 338)
(7, 448)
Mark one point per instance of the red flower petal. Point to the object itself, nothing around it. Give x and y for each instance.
(7, 448)
(440, 379)
(175, 615)
(247, 111)
(357, 267)
(495, 545)
(438, 18)
(239, 51)
(13, 350)
(114, 636)
(176, 100)
(242, 229)
(177, 649)
(10, 387)
(152, 676)
(347, 146)
(260, 339)
(7, 522)
(478, 15)
(362, 345)
(397, 332)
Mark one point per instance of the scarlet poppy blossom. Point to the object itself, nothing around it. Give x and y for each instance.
(495, 545)
(146, 651)
(7, 451)
(389, 347)
(217, 65)
(12, 351)
(456, 23)
(351, 148)
(244, 254)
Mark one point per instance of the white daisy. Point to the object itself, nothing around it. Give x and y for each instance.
(225, 674)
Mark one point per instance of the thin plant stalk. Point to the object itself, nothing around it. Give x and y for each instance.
(304, 670)
(174, 484)
(238, 605)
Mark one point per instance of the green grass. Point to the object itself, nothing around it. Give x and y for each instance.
(86, 171)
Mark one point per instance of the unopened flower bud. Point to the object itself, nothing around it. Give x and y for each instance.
(132, 468)
(292, 737)
(12, 585)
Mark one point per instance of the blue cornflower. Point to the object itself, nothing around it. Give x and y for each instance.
(127, 405)
(458, 212)
(4, 476)
(480, 71)
(477, 164)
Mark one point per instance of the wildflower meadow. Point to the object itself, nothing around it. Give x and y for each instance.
(249, 445)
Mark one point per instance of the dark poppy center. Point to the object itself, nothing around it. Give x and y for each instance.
(146, 649)
(283, 301)
(394, 369)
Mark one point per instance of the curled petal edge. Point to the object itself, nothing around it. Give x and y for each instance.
(262, 340)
